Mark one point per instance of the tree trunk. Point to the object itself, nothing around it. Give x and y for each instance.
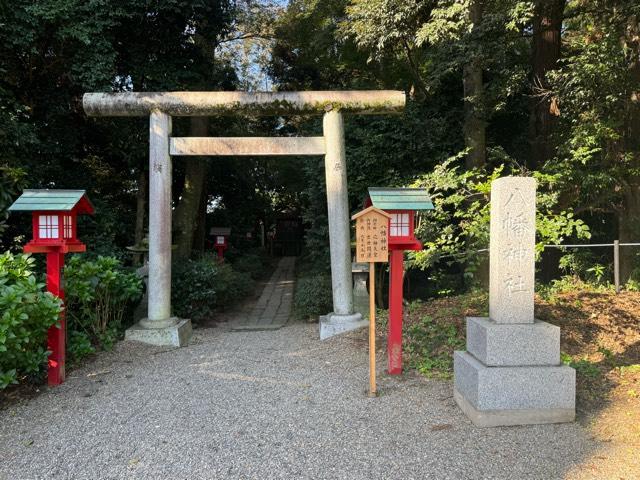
(141, 203)
(186, 214)
(474, 127)
(547, 29)
(629, 216)
(201, 233)
(629, 229)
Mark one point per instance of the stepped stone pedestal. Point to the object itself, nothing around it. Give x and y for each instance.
(511, 373)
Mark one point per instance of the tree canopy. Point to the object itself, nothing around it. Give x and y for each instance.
(543, 88)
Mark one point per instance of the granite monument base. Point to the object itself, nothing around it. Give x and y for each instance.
(513, 395)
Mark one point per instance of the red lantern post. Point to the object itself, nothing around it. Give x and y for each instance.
(401, 204)
(220, 241)
(54, 217)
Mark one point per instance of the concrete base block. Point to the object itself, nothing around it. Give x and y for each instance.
(505, 418)
(503, 345)
(520, 393)
(334, 324)
(176, 335)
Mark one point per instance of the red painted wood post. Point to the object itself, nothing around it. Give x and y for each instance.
(394, 342)
(56, 336)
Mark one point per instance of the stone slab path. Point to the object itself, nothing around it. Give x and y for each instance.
(273, 308)
(269, 405)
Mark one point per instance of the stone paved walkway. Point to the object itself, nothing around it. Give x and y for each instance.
(273, 308)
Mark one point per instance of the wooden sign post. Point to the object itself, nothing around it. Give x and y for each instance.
(372, 245)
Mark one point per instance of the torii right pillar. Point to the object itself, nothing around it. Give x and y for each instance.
(511, 373)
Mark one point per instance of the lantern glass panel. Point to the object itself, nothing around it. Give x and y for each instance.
(48, 226)
(399, 225)
(68, 228)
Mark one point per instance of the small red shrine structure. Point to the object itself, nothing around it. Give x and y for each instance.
(220, 240)
(402, 204)
(54, 224)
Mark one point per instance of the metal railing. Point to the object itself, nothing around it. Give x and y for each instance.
(616, 255)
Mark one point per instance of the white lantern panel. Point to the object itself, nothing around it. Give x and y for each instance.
(48, 226)
(399, 225)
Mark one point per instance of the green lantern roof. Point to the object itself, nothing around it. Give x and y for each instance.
(52, 200)
(400, 198)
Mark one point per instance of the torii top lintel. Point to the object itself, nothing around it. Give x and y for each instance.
(185, 104)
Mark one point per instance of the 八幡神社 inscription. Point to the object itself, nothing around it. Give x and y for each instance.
(512, 250)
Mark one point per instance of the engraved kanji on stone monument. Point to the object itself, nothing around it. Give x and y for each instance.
(512, 250)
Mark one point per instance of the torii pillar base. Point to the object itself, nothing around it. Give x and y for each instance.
(174, 335)
(335, 324)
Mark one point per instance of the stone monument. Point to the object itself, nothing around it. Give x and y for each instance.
(511, 373)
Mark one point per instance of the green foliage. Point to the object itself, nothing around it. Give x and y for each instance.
(53, 51)
(231, 286)
(583, 367)
(429, 346)
(313, 296)
(255, 264)
(202, 286)
(99, 297)
(11, 181)
(26, 313)
(458, 227)
(79, 346)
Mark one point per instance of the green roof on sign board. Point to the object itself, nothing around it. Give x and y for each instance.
(400, 198)
(53, 200)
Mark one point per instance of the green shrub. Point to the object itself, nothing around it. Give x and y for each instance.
(99, 296)
(27, 313)
(201, 286)
(313, 296)
(254, 264)
(231, 285)
(79, 346)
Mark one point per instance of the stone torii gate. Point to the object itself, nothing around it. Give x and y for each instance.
(160, 327)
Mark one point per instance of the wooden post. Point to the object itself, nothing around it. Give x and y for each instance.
(372, 330)
(616, 264)
(372, 245)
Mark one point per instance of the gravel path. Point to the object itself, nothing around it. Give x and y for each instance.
(267, 404)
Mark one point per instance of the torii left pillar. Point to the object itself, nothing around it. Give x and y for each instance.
(57, 333)
(160, 327)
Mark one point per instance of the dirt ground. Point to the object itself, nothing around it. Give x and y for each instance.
(600, 337)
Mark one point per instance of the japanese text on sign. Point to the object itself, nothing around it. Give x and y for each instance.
(372, 238)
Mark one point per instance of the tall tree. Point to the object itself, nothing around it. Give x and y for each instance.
(597, 84)
(186, 218)
(474, 126)
(547, 39)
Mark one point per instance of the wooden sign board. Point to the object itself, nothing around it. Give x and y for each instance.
(372, 235)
